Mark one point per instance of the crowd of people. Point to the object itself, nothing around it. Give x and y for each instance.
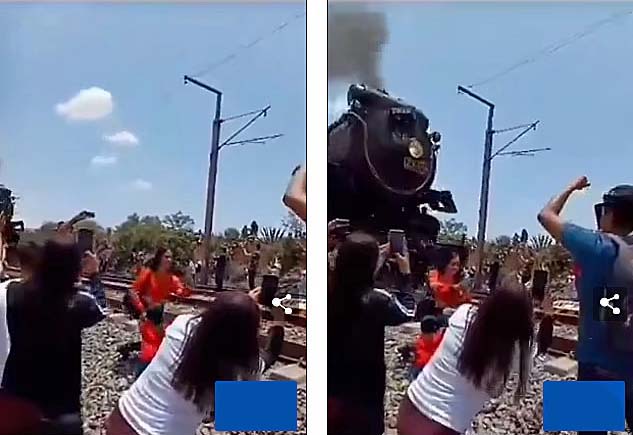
(43, 314)
(467, 351)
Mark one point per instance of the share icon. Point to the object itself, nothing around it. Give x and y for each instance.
(277, 302)
(606, 302)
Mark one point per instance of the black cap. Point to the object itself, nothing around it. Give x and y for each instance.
(429, 325)
(621, 195)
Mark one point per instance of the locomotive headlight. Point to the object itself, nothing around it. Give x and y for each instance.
(416, 150)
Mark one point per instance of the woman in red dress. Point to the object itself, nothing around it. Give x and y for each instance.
(154, 286)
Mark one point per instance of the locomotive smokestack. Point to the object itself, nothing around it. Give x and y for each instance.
(356, 37)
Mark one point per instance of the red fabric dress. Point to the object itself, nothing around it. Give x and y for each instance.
(424, 349)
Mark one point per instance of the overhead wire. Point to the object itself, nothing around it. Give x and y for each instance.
(554, 47)
(251, 44)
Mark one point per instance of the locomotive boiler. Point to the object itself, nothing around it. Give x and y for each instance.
(382, 161)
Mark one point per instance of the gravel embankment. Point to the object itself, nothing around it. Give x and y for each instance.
(500, 416)
(105, 377)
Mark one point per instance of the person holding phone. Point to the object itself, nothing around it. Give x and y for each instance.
(468, 368)
(45, 316)
(357, 316)
(176, 391)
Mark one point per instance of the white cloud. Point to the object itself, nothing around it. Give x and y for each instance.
(122, 139)
(140, 184)
(88, 105)
(103, 160)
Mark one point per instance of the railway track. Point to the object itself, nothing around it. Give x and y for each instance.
(564, 313)
(291, 352)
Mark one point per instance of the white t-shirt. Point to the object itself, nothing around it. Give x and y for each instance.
(5, 339)
(152, 406)
(440, 392)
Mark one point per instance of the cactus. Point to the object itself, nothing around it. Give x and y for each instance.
(271, 234)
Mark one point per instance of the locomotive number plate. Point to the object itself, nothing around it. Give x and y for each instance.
(417, 166)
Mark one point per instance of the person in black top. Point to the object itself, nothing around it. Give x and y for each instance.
(253, 265)
(220, 268)
(45, 317)
(357, 316)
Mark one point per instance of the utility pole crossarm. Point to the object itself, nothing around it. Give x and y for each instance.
(517, 137)
(505, 130)
(202, 85)
(258, 114)
(256, 140)
(519, 153)
(463, 90)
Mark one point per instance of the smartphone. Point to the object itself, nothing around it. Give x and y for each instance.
(270, 285)
(397, 241)
(539, 282)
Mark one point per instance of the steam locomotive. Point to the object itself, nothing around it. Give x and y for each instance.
(382, 161)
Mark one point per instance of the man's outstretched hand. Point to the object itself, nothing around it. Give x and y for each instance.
(550, 217)
(580, 184)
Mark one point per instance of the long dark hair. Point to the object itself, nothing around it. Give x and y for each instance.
(353, 273)
(50, 290)
(28, 255)
(154, 263)
(57, 271)
(223, 344)
(443, 258)
(501, 321)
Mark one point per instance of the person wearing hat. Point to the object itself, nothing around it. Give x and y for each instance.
(427, 343)
(604, 260)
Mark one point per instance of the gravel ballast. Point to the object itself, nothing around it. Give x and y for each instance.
(105, 377)
(500, 416)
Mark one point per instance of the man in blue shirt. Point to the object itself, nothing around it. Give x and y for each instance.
(595, 253)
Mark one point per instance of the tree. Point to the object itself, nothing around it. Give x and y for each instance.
(503, 241)
(151, 220)
(179, 222)
(254, 229)
(146, 234)
(452, 230)
(131, 221)
(232, 233)
(244, 234)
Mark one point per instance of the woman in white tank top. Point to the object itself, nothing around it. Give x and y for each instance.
(480, 347)
(176, 391)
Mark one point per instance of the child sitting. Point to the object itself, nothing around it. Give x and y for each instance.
(426, 344)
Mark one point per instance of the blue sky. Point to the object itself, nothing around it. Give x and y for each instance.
(582, 94)
(145, 145)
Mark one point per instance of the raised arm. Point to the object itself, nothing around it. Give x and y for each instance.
(550, 217)
(295, 197)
